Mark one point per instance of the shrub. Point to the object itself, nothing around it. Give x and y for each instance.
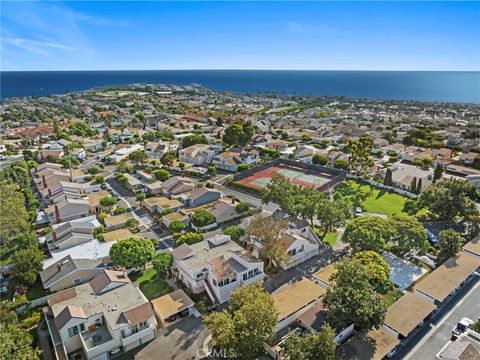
(202, 218)
(108, 201)
(119, 211)
(235, 231)
(189, 238)
(161, 174)
(242, 207)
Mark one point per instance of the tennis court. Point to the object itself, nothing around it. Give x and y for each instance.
(297, 176)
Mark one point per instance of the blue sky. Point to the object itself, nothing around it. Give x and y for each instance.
(240, 35)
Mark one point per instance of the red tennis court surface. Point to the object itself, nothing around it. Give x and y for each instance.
(295, 175)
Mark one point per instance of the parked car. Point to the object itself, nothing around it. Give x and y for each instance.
(358, 211)
(462, 326)
(431, 237)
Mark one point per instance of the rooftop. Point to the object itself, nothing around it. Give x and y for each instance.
(171, 304)
(293, 297)
(407, 312)
(373, 345)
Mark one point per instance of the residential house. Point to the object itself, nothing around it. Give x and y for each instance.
(68, 272)
(50, 155)
(93, 250)
(200, 196)
(216, 265)
(177, 185)
(69, 234)
(155, 150)
(68, 209)
(199, 154)
(159, 204)
(99, 318)
(371, 345)
(117, 221)
(153, 188)
(175, 216)
(133, 184)
(123, 152)
(448, 278)
(230, 160)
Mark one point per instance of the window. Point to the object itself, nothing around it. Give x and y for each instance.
(77, 281)
(82, 327)
(73, 331)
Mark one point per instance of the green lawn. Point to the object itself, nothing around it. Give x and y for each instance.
(330, 238)
(390, 297)
(371, 199)
(36, 291)
(150, 285)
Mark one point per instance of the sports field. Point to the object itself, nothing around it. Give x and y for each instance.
(295, 175)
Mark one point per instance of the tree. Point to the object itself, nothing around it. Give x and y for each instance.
(132, 224)
(194, 140)
(311, 346)
(413, 185)
(367, 233)
(340, 164)
(176, 227)
(387, 181)
(242, 167)
(189, 238)
(99, 179)
(235, 232)
(437, 173)
(108, 201)
(239, 133)
(408, 233)
(268, 232)
(161, 174)
(353, 299)
(249, 322)
(359, 151)
(132, 253)
(318, 159)
(162, 263)
(16, 341)
(138, 156)
(119, 210)
(419, 186)
(376, 266)
(94, 170)
(28, 263)
(168, 158)
(450, 198)
(141, 196)
(202, 217)
(211, 170)
(242, 207)
(13, 214)
(450, 244)
(332, 214)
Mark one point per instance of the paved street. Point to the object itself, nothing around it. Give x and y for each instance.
(438, 333)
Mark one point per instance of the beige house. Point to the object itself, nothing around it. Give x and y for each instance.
(117, 221)
(68, 209)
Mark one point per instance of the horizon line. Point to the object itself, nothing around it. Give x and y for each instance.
(346, 70)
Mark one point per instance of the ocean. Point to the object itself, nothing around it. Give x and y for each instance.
(461, 87)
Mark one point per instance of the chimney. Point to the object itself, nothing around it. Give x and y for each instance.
(54, 235)
(59, 267)
(49, 192)
(57, 214)
(44, 182)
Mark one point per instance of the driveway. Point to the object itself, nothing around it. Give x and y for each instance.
(180, 341)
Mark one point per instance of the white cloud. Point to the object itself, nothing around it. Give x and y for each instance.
(41, 47)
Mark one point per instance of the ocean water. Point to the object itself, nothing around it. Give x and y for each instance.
(463, 87)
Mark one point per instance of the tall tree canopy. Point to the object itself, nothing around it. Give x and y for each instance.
(269, 231)
(450, 198)
(367, 233)
(352, 298)
(28, 263)
(13, 214)
(450, 244)
(249, 322)
(408, 234)
(239, 133)
(311, 346)
(376, 266)
(132, 253)
(360, 150)
(194, 140)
